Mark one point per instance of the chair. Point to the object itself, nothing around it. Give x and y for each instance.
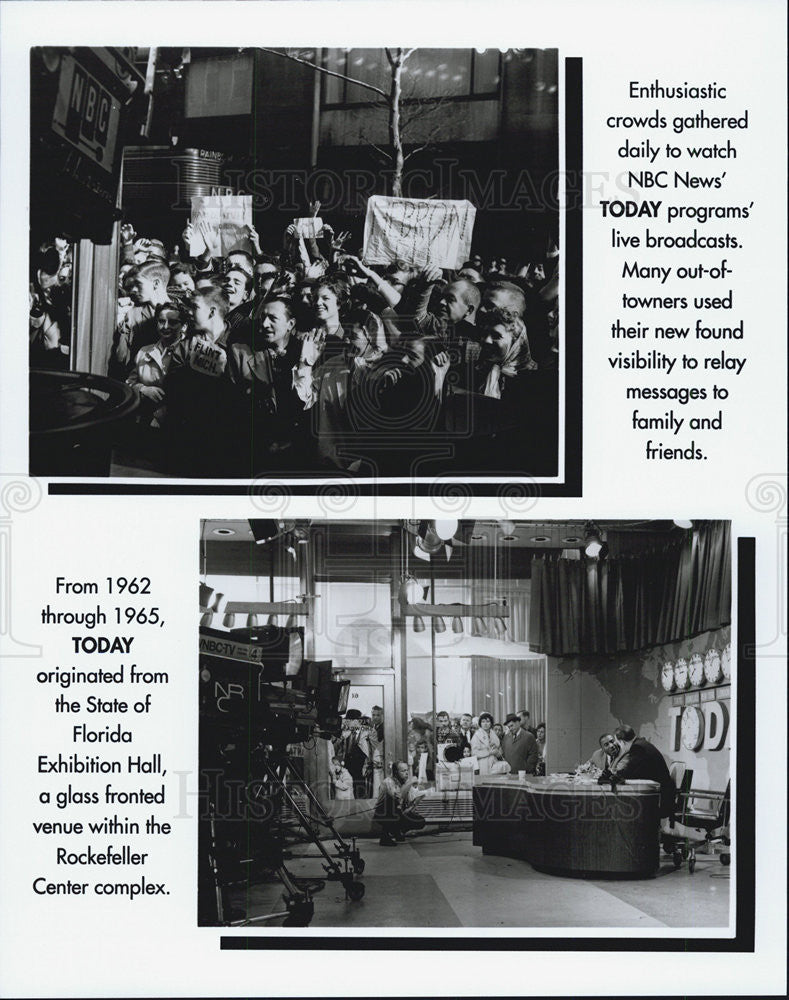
(705, 815)
(682, 776)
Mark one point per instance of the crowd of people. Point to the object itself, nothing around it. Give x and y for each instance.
(497, 748)
(304, 358)
(49, 326)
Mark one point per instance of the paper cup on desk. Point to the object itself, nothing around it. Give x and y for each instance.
(521, 775)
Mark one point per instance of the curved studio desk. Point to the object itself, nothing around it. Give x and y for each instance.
(570, 827)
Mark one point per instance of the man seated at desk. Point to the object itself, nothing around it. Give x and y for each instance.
(603, 758)
(640, 760)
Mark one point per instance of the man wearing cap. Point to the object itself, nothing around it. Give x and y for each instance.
(519, 747)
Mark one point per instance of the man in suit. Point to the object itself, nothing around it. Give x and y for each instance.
(525, 719)
(603, 758)
(639, 759)
(519, 747)
(353, 752)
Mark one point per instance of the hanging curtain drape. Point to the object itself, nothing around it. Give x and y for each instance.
(504, 686)
(632, 601)
(518, 622)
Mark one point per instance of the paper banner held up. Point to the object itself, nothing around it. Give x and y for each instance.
(418, 231)
(220, 222)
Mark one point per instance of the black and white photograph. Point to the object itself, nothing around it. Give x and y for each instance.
(296, 262)
(466, 724)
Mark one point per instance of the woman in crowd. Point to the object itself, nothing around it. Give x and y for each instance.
(505, 354)
(541, 746)
(485, 744)
(394, 811)
(423, 747)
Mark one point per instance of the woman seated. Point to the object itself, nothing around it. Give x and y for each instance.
(394, 810)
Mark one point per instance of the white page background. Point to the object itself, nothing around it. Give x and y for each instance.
(71, 947)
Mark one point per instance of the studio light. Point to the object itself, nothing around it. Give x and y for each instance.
(253, 621)
(273, 620)
(206, 618)
(480, 626)
(419, 624)
(428, 538)
(446, 529)
(263, 530)
(457, 625)
(499, 627)
(219, 603)
(229, 621)
(592, 541)
(507, 530)
(411, 590)
(439, 625)
(419, 551)
(206, 595)
(291, 622)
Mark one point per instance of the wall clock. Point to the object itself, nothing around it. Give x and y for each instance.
(681, 673)
(712, 667)
(667, 676)
(726, 662)
(696, 670)
(692, 727)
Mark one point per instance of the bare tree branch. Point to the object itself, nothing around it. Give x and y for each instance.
(328, 72)
(387, 156)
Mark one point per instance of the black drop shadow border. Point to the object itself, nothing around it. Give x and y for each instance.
(572, 306)
(744, 840)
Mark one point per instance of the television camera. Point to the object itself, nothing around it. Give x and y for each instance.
(258, 696)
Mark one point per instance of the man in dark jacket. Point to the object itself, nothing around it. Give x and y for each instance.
(519, 747)
(639, 759)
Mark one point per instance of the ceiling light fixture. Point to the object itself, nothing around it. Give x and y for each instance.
(686, 525)
(446, 529)
(593, 543)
